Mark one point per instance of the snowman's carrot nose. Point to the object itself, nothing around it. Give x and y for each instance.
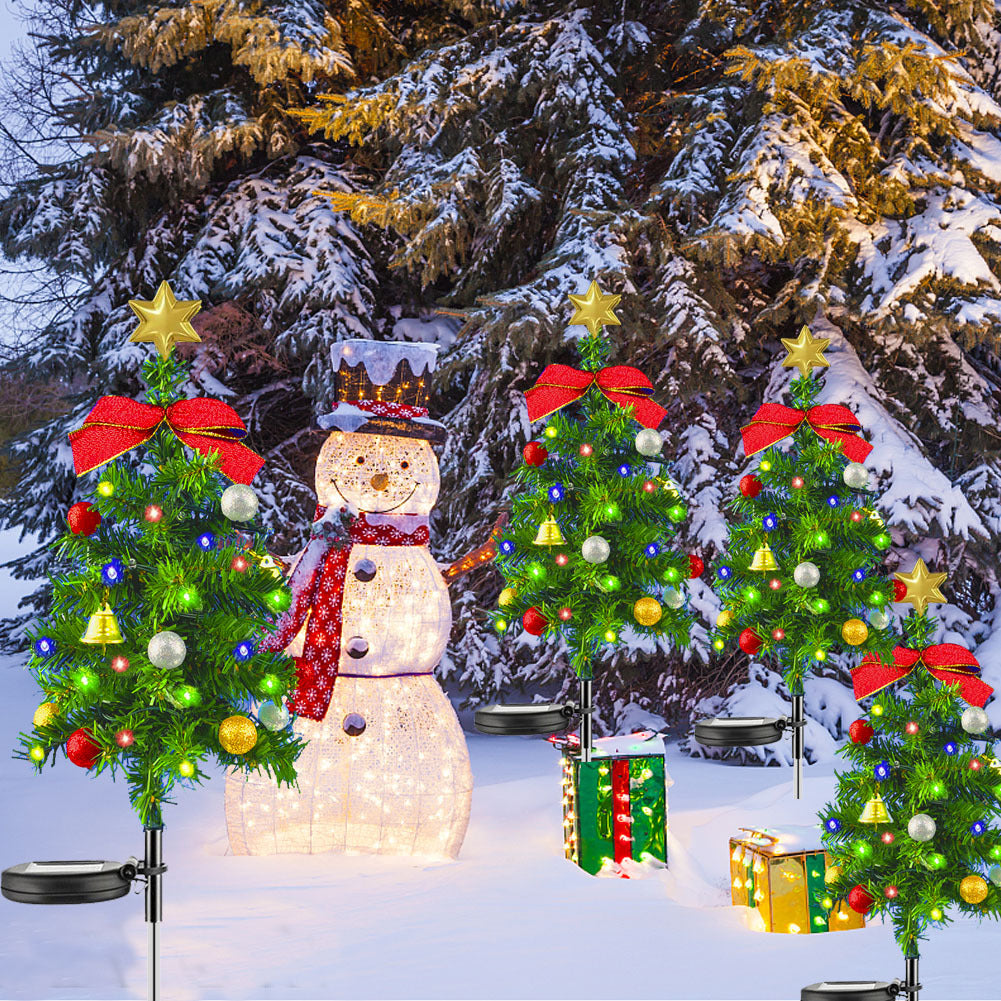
(380, 481)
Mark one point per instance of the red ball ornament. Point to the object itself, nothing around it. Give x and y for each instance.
(534, 621)
(859, 899)
(125, 738)
(891, 892)
(750, 641)
(899, 590)
(649, 486)
(887, 837)
(82, 749)
(778, 634)
(561, 559)
(797, 483)
(534, 454)
(857, 516)
(565, 614)
(83, 518)
(153, 513)
(588, 450)
(911, 727)
(860, 732)
(750, 485)
(239, 564)
(775, 584)
(695, 565)
(119, 664)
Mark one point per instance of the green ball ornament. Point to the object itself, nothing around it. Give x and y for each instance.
(238, 502)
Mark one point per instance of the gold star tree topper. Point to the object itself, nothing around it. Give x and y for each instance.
(165, 321)
(922, 587)
(594, 309)
(806, 352)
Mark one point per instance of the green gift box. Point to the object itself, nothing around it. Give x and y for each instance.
(615, 805)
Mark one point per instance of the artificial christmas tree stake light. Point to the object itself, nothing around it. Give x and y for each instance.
(592, 413)
(930, 785)
(130, 721)
(799, 511)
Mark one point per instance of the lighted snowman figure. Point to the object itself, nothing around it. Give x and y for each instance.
(386, 768)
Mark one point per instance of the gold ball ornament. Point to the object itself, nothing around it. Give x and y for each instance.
(45, 714)
(724, 618)
(506, 596)
(237, 734)
(854, 632)
(832, 874)
(973, 889)
(647, 611)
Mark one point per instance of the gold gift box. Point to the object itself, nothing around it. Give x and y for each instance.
(781, 878)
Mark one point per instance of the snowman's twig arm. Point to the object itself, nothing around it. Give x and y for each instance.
(476, 557)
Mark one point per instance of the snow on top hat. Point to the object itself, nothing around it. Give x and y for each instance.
(381, 387)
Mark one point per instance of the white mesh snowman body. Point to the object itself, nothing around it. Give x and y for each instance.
(386, 768)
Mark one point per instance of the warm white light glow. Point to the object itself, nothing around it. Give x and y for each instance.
(399, 783)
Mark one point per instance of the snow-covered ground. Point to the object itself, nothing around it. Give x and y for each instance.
(510, 919)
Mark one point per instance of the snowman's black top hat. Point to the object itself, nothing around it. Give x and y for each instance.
(381, 387)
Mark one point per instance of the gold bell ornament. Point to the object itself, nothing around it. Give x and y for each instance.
(764, 559)
(102, 629)
(875, 812)
(549, 534)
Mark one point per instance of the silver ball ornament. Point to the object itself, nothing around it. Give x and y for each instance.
(975, 720)
(806, 574)
(595, 549)
(273, 715)
(238, 502)
(648, 442)
(855, 476)
(921, 827)
(994, 874)
(878, 619)
(166, 650)
(672, 598)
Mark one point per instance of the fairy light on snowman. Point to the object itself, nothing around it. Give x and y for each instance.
(385, 769)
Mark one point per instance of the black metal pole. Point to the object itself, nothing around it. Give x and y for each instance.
(154, 909)
(586, 712)
(797, 745)
(911, 985)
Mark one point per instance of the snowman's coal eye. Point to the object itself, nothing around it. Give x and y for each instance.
(404, 464)
(360, 460)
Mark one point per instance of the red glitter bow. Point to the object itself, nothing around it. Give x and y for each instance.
(830, 421)
(948, 662)
(317, 586)
(117, 424)
(623, 385)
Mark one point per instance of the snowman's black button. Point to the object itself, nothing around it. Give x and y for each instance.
(364, 570)
(357, 647)
(354, 724)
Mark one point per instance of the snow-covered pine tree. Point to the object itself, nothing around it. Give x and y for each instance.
(722, 165)
(166, 152)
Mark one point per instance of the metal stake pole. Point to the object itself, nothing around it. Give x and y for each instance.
(586, 711)
(797, 744)
(911, 985)
(154, 910)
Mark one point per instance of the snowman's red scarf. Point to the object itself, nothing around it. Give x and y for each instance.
(317, 584)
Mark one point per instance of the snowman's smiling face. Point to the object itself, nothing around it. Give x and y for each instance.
(377, 473)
